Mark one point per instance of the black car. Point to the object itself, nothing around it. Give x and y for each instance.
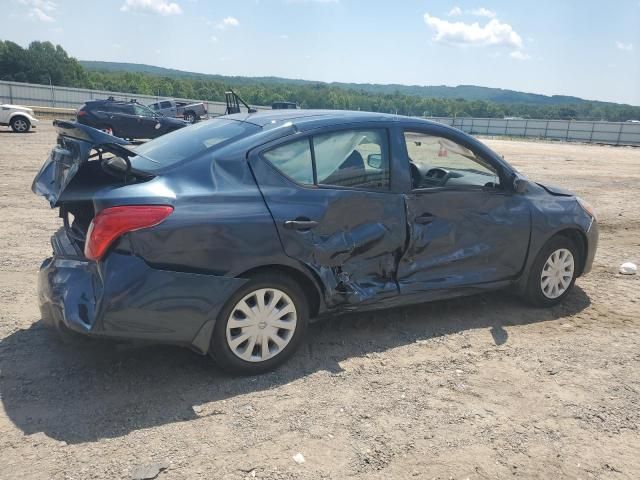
(126, 119)
(284, 106)
(228, 236)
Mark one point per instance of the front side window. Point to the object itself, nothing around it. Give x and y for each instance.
(440, 162)
(348, 158)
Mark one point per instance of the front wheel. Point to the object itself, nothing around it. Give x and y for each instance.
(553, 273)
(260, 326)
(20, 124)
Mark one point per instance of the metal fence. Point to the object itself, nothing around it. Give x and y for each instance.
(35, 95)
(610, 133)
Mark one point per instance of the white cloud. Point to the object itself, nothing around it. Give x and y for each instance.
(478, 12)
(40, 10)
(214, 39)
(482, 12)
(519, 55)
(37, 14)
(228, 22)
(494, 33)
(46, 5)
(627, 47)
(284, 37)
(158, 7)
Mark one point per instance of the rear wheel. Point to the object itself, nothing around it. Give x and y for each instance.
(553, 273)
(190, 117)
(260, 326)
(20, 124)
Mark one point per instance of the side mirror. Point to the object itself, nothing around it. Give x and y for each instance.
(520, 185)
(374, 160)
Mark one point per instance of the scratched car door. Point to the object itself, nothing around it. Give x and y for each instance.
(330, 197)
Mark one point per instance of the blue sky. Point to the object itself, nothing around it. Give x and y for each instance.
(589, 49)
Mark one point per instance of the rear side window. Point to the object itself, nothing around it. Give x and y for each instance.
(174, 147)
(352, 158)
(165, 104)
(294, 160)
(347, 158)
(118, 108)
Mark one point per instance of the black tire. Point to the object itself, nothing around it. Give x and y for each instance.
(534, 293)
(220, 350)
(20, 124)
(190, 117)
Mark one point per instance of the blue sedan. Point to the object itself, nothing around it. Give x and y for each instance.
(229, 236)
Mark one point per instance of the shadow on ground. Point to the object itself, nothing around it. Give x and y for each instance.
(81, 390)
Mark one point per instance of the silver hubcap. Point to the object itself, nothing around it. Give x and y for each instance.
(261, 325)
(20, 125)
(557, 273)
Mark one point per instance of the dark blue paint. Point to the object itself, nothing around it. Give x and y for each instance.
(369, 250)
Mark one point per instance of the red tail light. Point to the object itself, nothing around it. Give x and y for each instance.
(112, 222)
(80, 113)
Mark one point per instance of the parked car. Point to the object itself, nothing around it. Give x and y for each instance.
(229, 236)
(126, 119)
(284, 106)
(20, 119)
(190, 112)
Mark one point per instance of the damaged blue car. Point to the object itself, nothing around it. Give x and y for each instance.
(230, 235)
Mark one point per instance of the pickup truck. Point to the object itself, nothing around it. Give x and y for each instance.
(190, 112)
(19, 118)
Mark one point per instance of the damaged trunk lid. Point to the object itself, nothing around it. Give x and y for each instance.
(83, 168)
(74, 147)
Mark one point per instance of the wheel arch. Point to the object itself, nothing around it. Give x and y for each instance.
(573, 233)
(16, 115)
(310, 285)
(579, 239)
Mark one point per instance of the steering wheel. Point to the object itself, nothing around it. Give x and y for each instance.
(439, 174)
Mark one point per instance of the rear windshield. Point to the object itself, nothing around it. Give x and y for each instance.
(174, 147)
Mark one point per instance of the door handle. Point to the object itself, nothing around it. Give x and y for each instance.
(300, 224)
(425, 219)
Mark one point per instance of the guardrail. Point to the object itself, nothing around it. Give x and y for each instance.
(609, 133)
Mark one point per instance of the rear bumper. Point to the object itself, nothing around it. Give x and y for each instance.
(123, 297)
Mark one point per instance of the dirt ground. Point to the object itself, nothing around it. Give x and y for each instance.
(482, 387)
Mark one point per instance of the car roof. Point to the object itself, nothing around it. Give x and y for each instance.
(299, 117)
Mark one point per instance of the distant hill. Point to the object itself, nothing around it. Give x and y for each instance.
(467, 92)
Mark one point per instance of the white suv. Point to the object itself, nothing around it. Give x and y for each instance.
(20, 119)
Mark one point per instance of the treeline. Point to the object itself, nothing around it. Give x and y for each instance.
(44, 63)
